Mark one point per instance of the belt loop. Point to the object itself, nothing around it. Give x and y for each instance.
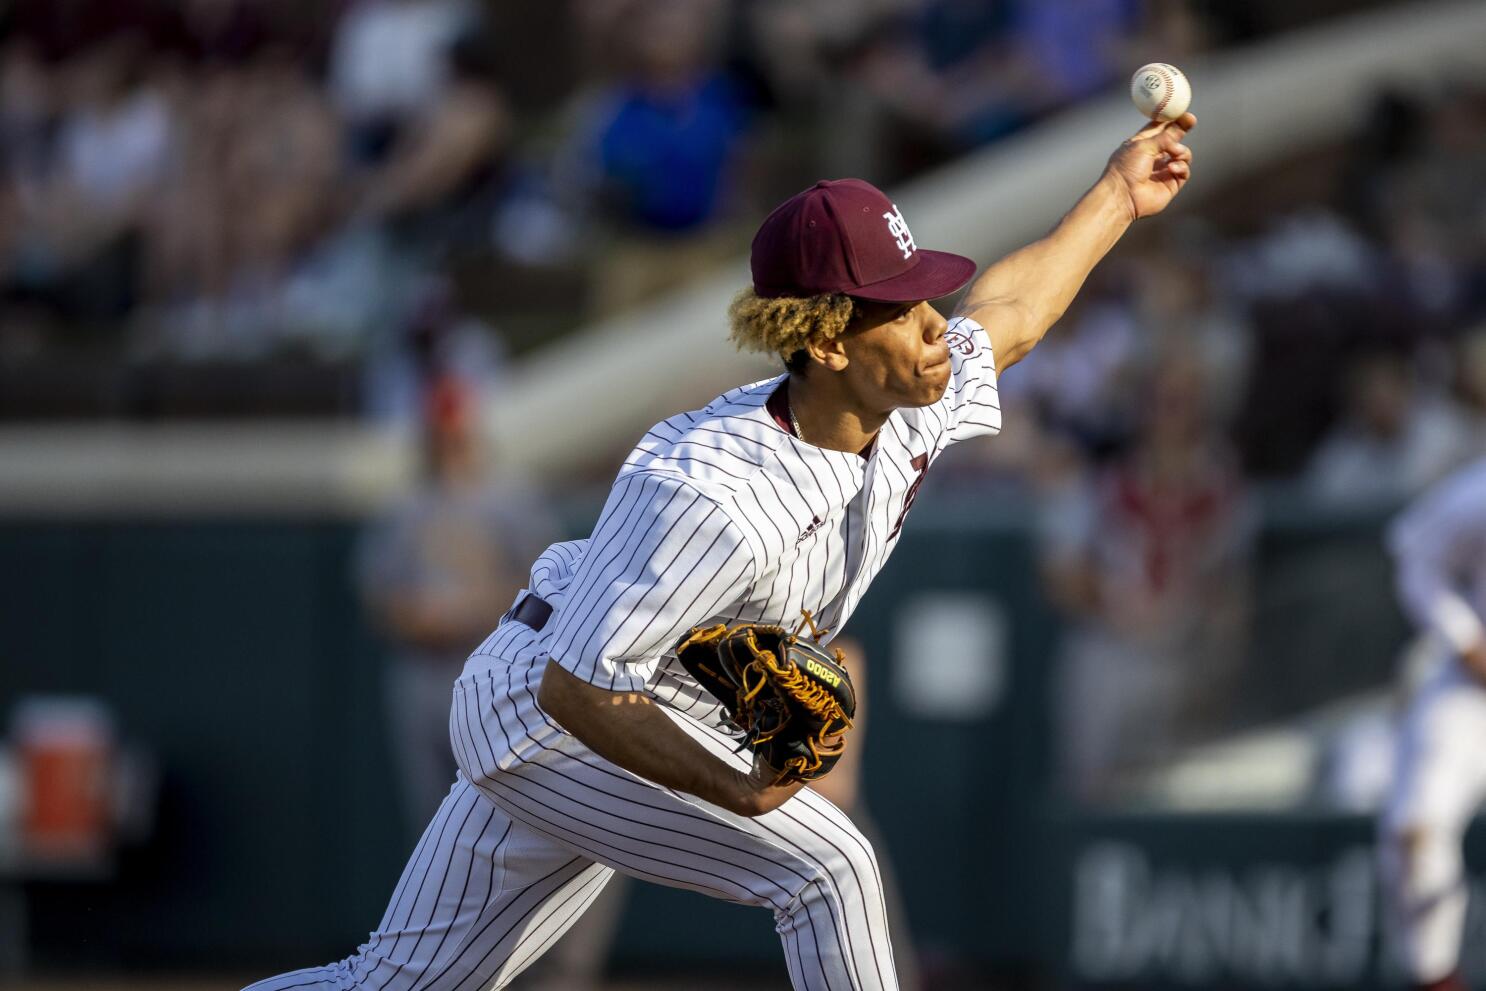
(533, 611)
(521, 597)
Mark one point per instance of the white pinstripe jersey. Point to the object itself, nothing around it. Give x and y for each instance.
(1439, 544)
(720, 515)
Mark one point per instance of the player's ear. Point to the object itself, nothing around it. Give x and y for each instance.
(829, 352)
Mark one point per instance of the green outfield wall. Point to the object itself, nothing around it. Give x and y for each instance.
(235, 651)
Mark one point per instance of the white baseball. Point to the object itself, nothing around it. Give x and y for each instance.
(1160, 91)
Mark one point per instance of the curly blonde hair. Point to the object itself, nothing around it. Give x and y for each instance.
(785, 324)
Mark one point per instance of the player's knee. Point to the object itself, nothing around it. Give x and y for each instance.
(1423, 857)
(1419, 840)
(1404, 847)
(1404, 842)
(846, 862)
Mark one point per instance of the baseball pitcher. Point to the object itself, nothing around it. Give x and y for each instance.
(598, 728)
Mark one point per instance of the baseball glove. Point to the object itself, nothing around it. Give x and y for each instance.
(792, 699)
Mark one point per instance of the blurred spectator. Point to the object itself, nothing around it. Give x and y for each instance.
(227, 179)
(1079, 379)
(113, 144)
(959, 73)
(85, 190)
(1148, 559)
(667, 134)
(436, 573)
(1181, 302)
(190, 221)
(443, 162)
(1316, 293)
(1395, 437)
(436, 335)
(63, 30)
(796, 58)
(1305, 251)
(280, 173)
(951, 73)
(1075, 47)
(1430, 207)
(29, 103)
(254, 191)
(388, 65)
(1177, 30)
(223, 30)
(661, 148)
(1085, 386)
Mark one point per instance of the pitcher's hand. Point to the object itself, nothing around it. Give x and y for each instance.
(1153, 165)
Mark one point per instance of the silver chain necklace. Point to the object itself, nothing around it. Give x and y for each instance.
(794, 421)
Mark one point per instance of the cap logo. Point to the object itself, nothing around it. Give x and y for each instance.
(898, 228)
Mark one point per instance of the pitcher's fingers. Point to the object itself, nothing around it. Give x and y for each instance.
(1165, 132)
(1180, 171)
(1150, 132)
(1178, 152)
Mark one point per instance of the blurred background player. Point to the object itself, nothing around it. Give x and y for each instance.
(1439, 545)
(432, 572)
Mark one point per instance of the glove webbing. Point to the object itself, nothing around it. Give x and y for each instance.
(812, 696)
(801, 766)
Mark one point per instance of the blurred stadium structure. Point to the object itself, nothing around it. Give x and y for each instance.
(239, 237)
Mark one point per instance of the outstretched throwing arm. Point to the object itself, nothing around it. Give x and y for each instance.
(1019, 297)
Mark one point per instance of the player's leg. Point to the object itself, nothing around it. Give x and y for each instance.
(1439, 783)
(480, 899)
(578, 960)
(805, 861)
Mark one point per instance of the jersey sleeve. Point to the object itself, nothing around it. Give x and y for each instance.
(971, 404)
(1431, 543)
(662, 559)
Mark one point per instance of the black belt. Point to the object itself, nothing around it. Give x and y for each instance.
(533, 611)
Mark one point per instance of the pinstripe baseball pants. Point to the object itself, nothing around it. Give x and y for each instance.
(536, 824)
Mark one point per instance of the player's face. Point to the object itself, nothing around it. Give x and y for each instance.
(898, 357)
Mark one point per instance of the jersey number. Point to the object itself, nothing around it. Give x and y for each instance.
(920, 464)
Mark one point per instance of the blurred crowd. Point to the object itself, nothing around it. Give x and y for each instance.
(417, 188)
(1318, 341)
(229, 180)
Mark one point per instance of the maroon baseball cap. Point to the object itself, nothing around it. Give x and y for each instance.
(846, 236)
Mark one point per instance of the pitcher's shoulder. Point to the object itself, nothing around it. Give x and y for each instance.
(717, 448)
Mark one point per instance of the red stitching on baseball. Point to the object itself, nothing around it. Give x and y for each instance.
(1170, 91)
